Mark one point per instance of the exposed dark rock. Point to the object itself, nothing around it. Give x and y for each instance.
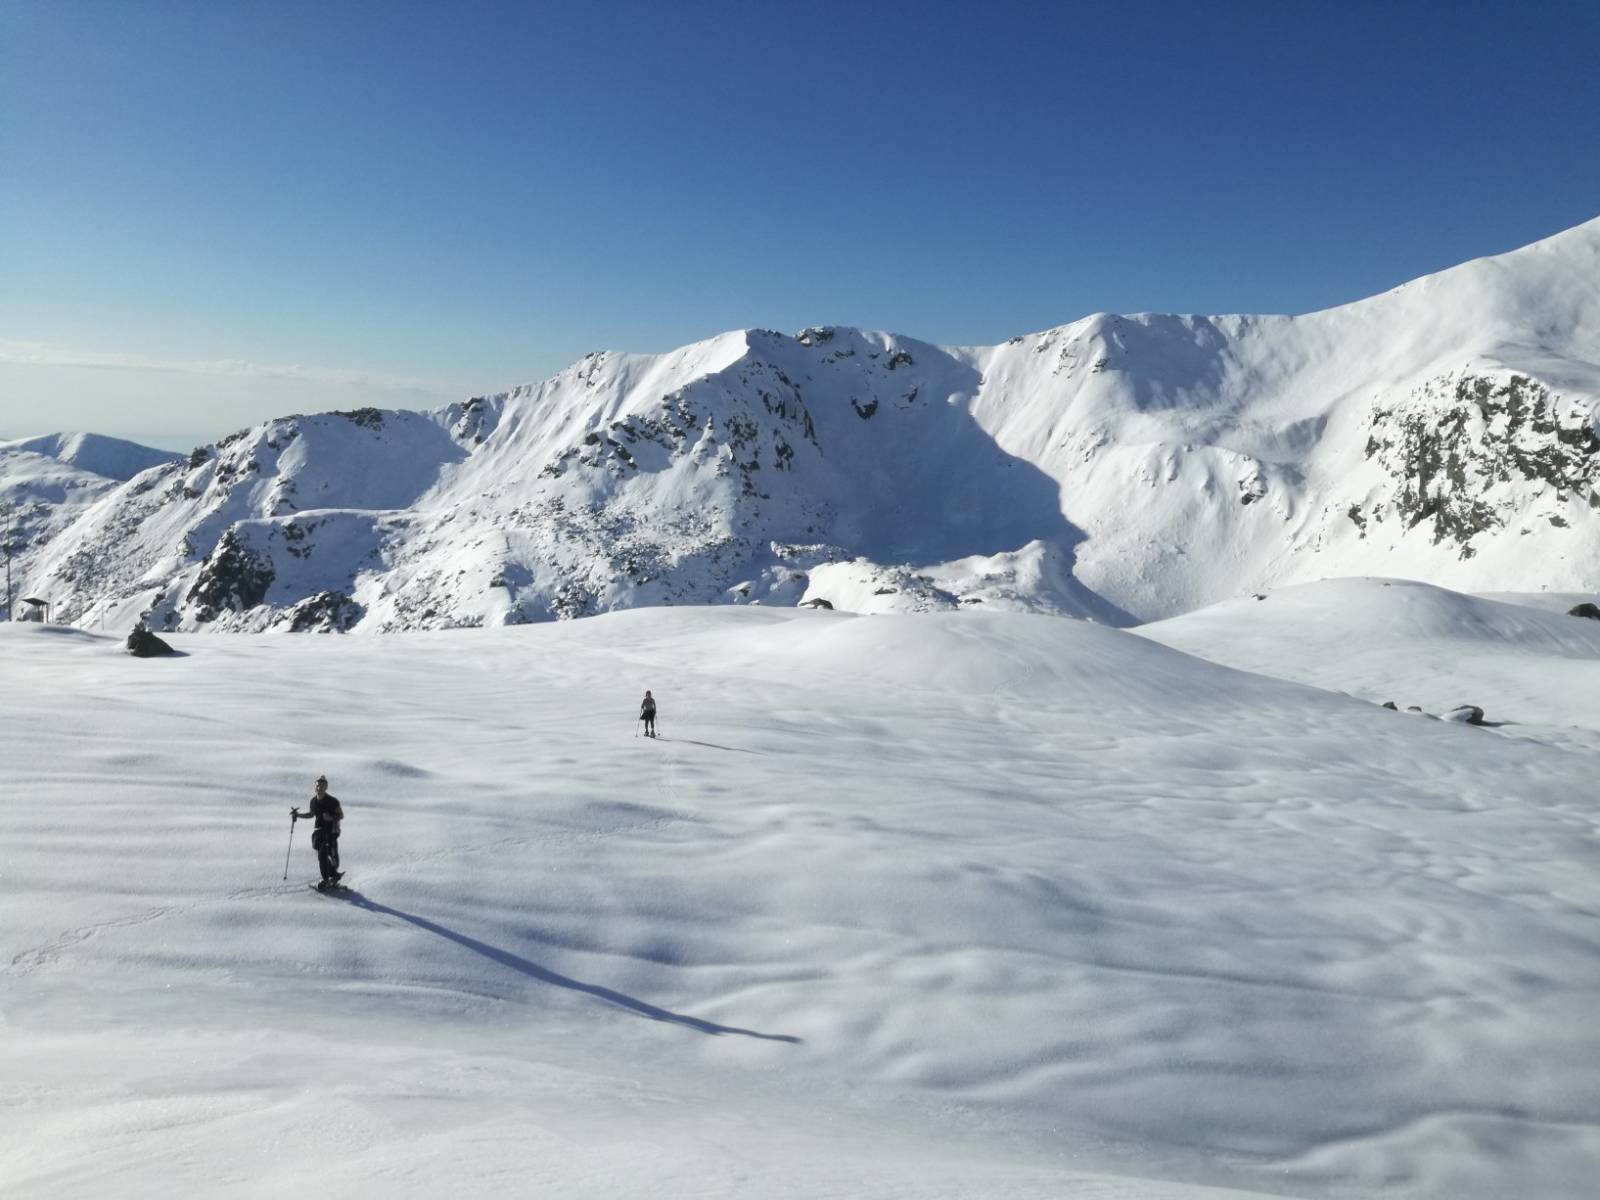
(1585, 609)
(144, 644)
(367, 418)
(326, 612)
(1391, 706)
(818, 602)
(233, 577)
(1479, 432)
(1466, 714)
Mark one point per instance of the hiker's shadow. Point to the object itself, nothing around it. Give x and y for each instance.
(709, 745)
(544, 975)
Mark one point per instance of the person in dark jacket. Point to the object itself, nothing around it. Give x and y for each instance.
(647, 714)
(328, 814)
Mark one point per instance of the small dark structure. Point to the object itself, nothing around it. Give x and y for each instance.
(38, 610)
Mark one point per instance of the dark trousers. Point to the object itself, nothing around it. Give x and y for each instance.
(649, 720)
(326, 844)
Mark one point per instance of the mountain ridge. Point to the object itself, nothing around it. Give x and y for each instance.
(1120, 468)
(109, 457)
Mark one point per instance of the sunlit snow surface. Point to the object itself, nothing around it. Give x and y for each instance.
(952, 905)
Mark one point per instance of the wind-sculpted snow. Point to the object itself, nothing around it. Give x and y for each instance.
(1124, 468)
(956, 904)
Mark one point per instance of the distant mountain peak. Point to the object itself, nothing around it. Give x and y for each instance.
(112, 458)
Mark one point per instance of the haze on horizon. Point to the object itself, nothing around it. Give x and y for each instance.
(215, 214)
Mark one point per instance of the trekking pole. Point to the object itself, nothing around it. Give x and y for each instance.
(293, 821)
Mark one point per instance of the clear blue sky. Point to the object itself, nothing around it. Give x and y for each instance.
(464, 196)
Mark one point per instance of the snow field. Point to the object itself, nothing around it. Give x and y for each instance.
(1520, 658)
(958, 904)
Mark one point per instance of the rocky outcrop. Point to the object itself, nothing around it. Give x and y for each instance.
(144, 644)
(233, 577)
(1463, 437)
(326, 612)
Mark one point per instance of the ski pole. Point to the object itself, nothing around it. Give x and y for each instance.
(293, 820)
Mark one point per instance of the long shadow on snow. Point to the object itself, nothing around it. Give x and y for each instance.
(714, 746)
(544, 975)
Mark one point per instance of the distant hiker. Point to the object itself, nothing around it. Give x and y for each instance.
(327, 812)
(647, 714)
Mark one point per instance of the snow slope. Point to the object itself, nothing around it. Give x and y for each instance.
(41, 497)
(1410, 643)
(48, 483)
(1120, 468)
(110, 458)
(961, 904)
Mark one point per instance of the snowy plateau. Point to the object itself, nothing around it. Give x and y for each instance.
(1072, 853)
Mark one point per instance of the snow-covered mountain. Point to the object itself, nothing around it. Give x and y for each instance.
(111, 458)
(47, 483)
(1120, 467)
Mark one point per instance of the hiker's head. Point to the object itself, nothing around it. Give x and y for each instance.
(322, 784)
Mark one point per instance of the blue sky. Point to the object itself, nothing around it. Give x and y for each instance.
(211, 213)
